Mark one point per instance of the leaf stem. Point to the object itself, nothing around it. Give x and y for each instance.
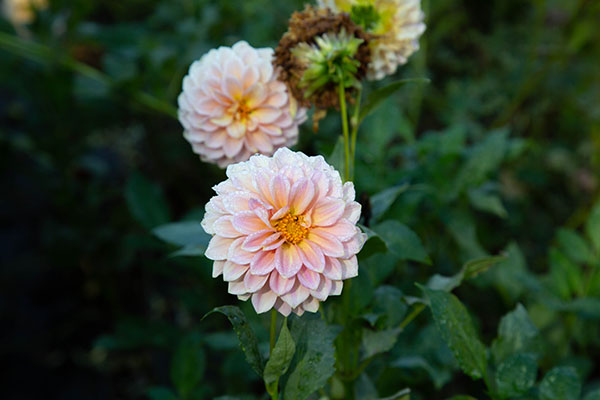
(410, 317)
(273, 331)
(344, 115)
(355, 123)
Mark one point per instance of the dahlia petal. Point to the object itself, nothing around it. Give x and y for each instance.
(280, 214)
(271, 129)
(263, 301)
(279, 284)
(352, 212)
(349, 192)
(248, 222)
(244, 297)
(280, 189)
(312, 256)
(336, 288)
(265, 114)
(237, 287)
(311, 305)
(259, 141)
(333, 269)
(223, 120)
(251, 76)
(223, 227)
(321, 184)
(257, 94)
(218, 247)
(283, 308)
(343, 230)
(309, 278)
(236, 130)
(349, 267)
(262, 263)
(301, 195)
(232, 88)
(287, 260)
(233, 271)
(322, 291)
(329, 244)
(327, 211)
(217, 268)
(296, 296)
(237, 254)
(354, 245)
(237, 201)
(254, 241)
(254, 282)
(275, 245)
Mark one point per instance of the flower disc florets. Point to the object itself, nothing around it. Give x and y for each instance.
(284, 231)
(396, 26)
(234, 105)
(320, 50)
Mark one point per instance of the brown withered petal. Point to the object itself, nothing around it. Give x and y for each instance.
(305, 26)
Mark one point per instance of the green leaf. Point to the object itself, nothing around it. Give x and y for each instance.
(457, 330)
(487, 202)
(388, 302)
(145, 201)
(469, 270)
(594, 395)
(483, 159)
(383, 200)
(375, 342)
(516, 334)
(439, 377)
(374, 243)
(245, 335)
(515, 375)
(161, 393)
(188, 234)
(403, 394)
(402, 241)
(314, 361)
(337, 158)
(574, 246)
(283, 352)
(182, 233)
(187, 365)
(375, 98)
(560, 383)
(592, 227)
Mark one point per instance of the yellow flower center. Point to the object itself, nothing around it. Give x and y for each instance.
(243, 111)
(291, 228)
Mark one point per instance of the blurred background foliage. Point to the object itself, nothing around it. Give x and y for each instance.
(499, 154)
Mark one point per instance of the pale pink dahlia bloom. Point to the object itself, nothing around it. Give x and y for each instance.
(233, 105)
(284, 231)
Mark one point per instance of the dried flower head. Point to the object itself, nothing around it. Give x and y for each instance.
(395, 24)
(234, 105)
(320, 50)
(22, 12)
(284, 231)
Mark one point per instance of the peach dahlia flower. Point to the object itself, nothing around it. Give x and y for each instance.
(233, 105)
(284, 231)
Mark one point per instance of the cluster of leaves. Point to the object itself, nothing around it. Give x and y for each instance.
(481, 186)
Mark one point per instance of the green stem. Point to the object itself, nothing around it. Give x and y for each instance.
(344, 115)
(273, 388)
(355, 122)
(273, 331)
(410, 317)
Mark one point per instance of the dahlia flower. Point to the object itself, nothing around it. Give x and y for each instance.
(320, 49)
(233, 105)
(21, 12)
(284, 231)
(395, 24)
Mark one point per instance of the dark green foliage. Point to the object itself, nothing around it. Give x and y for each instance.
(484, 182)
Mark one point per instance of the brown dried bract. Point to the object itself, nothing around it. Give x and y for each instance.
(304, 27)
